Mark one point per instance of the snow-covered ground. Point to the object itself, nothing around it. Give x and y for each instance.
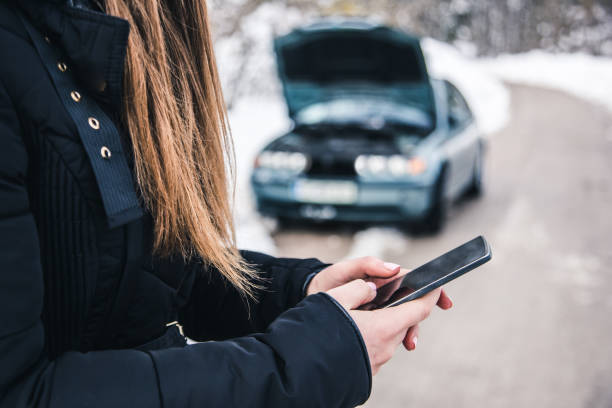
(254, 122)
(585, 76)
(257, 120)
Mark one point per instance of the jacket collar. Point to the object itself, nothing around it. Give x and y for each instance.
(93, 43)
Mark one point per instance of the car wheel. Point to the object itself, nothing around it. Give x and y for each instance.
(475, 188)
(435, 219)
(283, 223)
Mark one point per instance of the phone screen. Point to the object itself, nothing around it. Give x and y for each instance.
(433, 274)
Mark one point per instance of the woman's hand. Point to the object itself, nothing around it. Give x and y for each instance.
(369, 267)
(383, 330)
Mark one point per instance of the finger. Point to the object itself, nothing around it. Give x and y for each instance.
(410, 313)
(354, 294)
(383, 281)
(410, 341)
(444, 302)
(370, 267)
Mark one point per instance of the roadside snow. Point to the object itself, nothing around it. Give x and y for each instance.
(585, 76)
(487, 96)
(254, 122)
(378, 242)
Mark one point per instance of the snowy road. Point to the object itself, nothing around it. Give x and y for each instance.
(532, 328)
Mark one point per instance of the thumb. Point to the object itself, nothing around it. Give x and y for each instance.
(354, 294)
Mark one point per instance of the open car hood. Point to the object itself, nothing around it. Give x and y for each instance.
(329, 61)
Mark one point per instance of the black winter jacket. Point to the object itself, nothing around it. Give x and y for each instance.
(84, 306)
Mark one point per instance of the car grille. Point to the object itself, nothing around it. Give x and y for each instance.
(331, 166)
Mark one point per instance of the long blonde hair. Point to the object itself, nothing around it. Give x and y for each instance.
(174, 110)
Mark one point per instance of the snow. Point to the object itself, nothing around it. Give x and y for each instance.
(584, 76)
(254, 122)
(378, 242)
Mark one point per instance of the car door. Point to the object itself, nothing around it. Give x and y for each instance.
(462, 144)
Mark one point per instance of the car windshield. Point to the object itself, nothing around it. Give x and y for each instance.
(375, 113)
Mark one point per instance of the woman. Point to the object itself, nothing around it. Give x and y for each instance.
(116, 233)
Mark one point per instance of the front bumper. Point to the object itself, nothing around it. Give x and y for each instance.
(375, 202)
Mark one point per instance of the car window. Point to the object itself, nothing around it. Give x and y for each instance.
(459, 113)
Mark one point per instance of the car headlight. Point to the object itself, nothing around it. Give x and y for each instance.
(397, 166)
(293, 162)
(389, 166)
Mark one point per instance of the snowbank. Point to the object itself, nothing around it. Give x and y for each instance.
(581, 75)
(254, 122)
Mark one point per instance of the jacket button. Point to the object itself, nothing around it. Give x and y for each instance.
(47, 39)
(105, 152)
(94, 123)
(62, 66)
(75, 96)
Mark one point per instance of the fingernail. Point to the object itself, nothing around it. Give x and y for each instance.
(372, 285)
(391, 266)
(450, 301)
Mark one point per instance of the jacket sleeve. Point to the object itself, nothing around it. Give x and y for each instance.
(215, 310)
(310, 356)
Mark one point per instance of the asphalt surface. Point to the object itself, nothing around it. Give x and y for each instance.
(533, 327)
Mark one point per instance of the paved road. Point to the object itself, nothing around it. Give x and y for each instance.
(533, 328)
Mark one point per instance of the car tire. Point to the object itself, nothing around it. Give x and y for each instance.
(284, 223)
(476, 188)
(435, 220)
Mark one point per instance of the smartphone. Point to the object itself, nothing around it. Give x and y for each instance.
(431, 275)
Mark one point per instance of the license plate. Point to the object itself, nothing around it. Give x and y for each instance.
(325, 192)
